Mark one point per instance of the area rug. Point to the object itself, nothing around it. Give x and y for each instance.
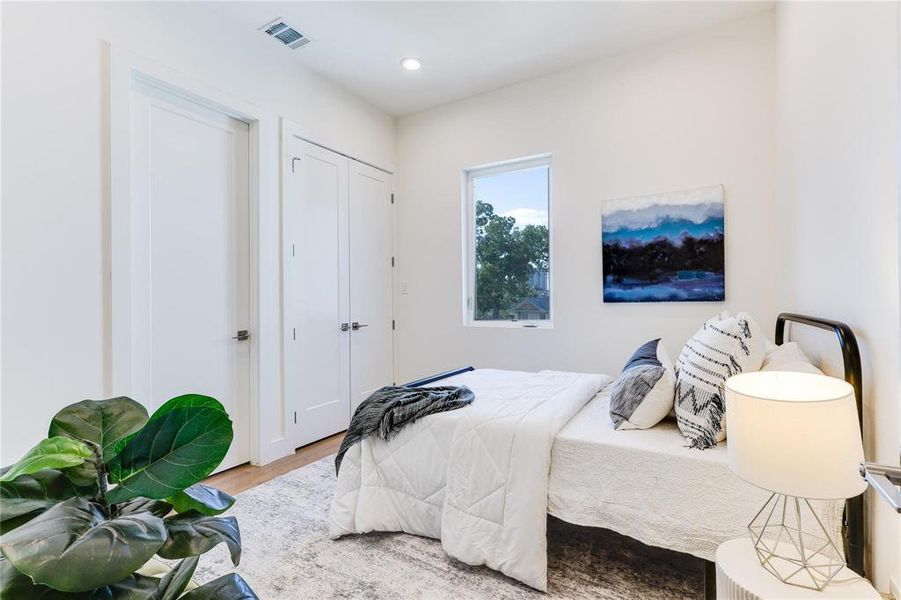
(288, 555)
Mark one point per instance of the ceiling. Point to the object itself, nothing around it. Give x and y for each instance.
(468, 48)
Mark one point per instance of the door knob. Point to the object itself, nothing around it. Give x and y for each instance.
(355, 326)
(243, 335)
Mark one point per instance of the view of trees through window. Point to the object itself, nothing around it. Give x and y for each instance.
(512, 249)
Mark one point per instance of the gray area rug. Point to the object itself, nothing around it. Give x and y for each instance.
(287, 554)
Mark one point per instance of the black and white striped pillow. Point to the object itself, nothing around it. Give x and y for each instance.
(723, 347)
(643, 394)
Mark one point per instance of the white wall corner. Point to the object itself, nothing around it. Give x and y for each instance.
(894, 589)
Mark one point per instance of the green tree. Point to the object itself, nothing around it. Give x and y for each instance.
(506, 258)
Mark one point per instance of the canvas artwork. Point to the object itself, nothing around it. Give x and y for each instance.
(665, 247)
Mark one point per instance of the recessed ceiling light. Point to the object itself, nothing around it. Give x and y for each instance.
(411, 63)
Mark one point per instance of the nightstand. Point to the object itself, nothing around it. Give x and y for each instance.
(739, 576)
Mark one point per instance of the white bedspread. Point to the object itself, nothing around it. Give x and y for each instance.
(648, 485)
(475, 478)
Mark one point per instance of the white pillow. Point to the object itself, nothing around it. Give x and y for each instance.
(723, 347)
(789, 357)
(643, 394)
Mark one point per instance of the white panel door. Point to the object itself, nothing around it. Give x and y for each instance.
(317, 351)
(371, 281)
(190, 271)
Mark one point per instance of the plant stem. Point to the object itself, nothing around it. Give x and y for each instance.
(102, 479)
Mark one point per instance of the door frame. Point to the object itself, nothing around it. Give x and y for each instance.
(289, 130)
(269, 437)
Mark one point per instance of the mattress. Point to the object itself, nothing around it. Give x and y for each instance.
(475, 477)
(648, 485)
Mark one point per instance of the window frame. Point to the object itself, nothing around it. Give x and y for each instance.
(469, 240)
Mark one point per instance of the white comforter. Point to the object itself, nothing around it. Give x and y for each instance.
(475, 478)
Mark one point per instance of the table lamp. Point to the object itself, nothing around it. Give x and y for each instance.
(795, 435)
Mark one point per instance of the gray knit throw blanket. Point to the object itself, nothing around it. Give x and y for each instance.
(391, 408)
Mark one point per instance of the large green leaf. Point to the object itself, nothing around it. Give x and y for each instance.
(180, 445)
(203, 499)
(73, 547)
(83, 474)
(7, 525)
(175, 581)
(227, 587)
(16, 586)
(136, 587)
(184, 401)
(160, 508)
(36, 492)
(189, 401)
(100, 422)
(52, 453)
(192, 534)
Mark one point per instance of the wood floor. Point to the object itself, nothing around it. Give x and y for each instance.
(243, 477)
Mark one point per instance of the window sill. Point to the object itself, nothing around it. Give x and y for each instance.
(510, 324)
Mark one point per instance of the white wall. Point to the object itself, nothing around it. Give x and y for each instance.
(54, 176)
(839, 133)
(687, 113)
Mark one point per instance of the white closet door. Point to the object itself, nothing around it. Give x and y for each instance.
(317, 351)
(371, 281)
(190, 285)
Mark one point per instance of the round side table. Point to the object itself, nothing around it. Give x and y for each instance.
(739, 576)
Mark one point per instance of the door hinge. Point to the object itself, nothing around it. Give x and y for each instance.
(392, 197)
(392, 261)
(293, 160)
(295, 417)
(393, 326)
(294, 333)
(292, 249)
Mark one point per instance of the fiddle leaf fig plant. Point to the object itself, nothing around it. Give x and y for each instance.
(53, 453)
(111, 487)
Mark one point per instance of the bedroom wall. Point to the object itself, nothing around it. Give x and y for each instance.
(839, 159)
(682, 114)
(54, 178)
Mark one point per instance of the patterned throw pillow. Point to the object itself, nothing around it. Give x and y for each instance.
(643, 393)
(723, 347)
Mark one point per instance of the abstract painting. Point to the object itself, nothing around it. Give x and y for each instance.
(665, 247)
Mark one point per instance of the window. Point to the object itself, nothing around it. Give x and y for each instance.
(508, 271)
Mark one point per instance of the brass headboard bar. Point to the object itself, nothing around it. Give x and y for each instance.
(854, 509)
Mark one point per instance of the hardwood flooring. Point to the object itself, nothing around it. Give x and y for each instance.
(243, 477)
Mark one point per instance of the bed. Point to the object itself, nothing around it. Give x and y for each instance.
(647, 484)
(564, 458)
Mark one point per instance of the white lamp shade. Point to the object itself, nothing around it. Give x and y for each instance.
(795, 434)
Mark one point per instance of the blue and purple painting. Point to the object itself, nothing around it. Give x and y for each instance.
(665, 247)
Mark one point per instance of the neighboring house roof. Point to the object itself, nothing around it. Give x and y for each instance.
(535, 303)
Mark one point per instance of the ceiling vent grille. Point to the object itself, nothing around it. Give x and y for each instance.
(286, 34)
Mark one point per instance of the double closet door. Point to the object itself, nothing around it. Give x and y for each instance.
(338, 288)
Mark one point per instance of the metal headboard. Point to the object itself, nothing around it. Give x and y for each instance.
(855, 536)
(438, 377)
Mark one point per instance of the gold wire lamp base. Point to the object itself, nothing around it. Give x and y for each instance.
(792, 543)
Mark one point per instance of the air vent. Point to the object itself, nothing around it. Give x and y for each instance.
(286, 34)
